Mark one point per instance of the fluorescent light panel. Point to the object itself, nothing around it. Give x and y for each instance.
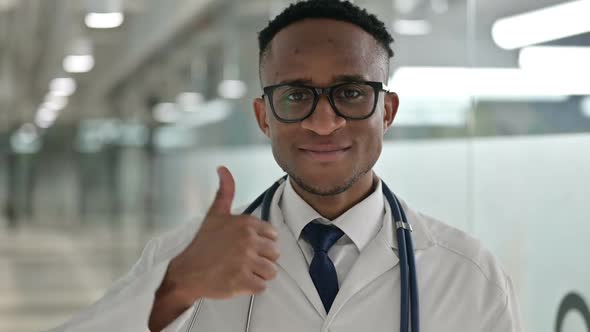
(441, 96)
(539, 26)
(62, 86)
(45, 117)
(231, 89)
(166, 113)
(487, 83)
(555, 58)
(78, 63)
(189, 101)
(55, 102)
(104, 20)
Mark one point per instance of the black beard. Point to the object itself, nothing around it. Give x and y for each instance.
(329, 192)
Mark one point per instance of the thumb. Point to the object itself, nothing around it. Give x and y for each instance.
(225, 193)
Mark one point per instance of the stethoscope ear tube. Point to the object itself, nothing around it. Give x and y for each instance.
(414, 304)
(409, 306)
(404, 281)
(267, 200)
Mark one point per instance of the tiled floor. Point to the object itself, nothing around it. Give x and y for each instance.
(46, 274)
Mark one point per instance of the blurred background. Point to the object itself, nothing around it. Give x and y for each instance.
(115, 113)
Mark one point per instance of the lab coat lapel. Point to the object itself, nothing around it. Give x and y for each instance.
(291, 259)
(376, 258)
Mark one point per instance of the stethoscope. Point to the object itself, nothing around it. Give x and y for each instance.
(409, 288)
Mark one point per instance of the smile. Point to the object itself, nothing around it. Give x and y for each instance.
(325, 153)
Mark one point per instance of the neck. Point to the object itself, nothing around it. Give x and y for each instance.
(331, 207)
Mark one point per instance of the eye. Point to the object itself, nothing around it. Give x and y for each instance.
(296, 95)
(350, 92)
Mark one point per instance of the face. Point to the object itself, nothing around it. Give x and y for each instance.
(325, 154)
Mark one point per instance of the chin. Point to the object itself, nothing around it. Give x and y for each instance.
(324, 182)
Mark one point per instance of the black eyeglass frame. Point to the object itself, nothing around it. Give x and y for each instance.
(377, 87)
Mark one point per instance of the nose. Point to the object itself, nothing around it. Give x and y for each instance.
(323, 120)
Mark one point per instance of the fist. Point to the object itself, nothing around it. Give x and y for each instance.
(229, 256)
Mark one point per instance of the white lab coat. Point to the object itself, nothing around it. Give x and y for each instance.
(462, 288)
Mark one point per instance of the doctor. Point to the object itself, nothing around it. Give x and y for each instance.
(328, 260)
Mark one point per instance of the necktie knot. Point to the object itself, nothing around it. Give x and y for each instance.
(321, 237)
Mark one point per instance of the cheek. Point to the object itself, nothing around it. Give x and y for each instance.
(374, 128)
(371, 141)
(373, 146)
(280, 138)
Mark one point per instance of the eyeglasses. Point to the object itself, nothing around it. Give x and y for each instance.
(351, 100)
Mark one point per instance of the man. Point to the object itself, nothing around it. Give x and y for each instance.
(325, 110)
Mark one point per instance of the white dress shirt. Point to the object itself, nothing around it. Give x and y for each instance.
(360, 224)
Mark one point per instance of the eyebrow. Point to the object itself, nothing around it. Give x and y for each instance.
(335, 79)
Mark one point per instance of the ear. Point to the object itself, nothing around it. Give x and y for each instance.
(259, 106)
(391, 106)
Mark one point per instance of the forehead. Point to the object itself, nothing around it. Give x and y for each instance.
(318, 50)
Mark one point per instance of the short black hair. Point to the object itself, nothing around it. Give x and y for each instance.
(330, 9)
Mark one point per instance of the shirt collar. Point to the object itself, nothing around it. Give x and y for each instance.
(360, 223)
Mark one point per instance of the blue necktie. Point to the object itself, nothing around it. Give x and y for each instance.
(322, 271)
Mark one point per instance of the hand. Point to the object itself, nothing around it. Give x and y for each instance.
(229, 256)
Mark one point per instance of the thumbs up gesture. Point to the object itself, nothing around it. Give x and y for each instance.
(230, 255)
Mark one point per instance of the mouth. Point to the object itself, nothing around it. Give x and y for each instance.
(325, 152)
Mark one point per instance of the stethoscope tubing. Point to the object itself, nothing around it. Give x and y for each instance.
(408, 281)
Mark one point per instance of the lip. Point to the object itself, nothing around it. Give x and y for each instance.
(325, 152)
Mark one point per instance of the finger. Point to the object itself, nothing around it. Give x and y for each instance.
(268, 249)
(264, 268)
(266, 230)
(255, 284)
(225, 193)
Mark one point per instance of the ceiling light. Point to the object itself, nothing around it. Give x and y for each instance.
(78, 63)
(487, 83)
(103, 20)
(63, 86)
(539, 26)
(412, 27)
(232, 89)
(55, 102)
(555, 58)
(166, 113)
(189, 101)
(45, 117)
